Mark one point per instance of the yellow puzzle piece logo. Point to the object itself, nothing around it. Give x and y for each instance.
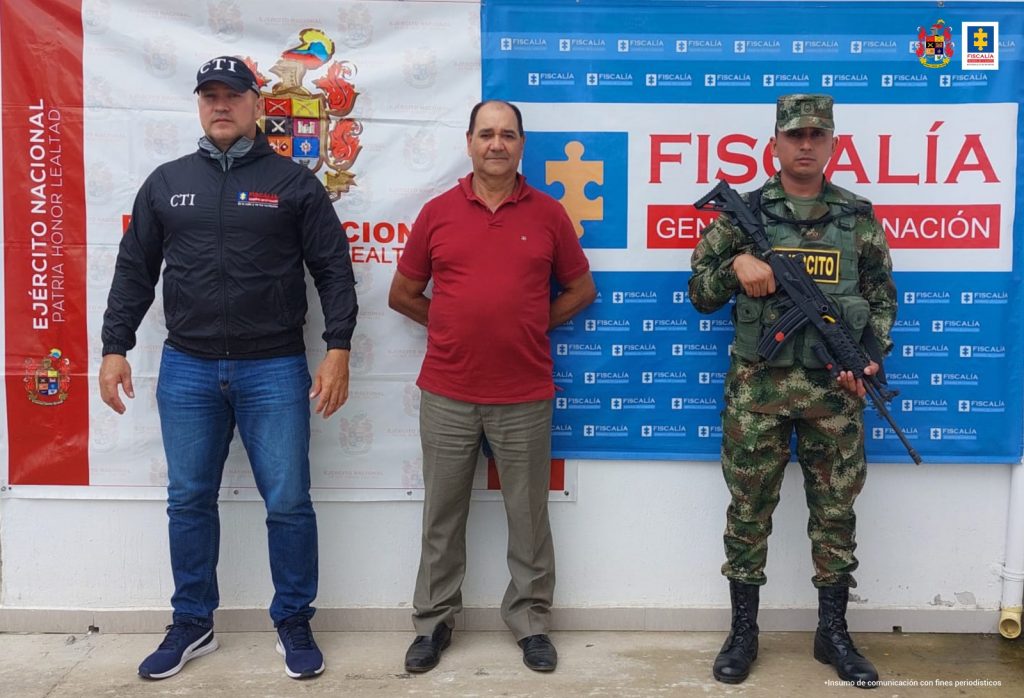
(574, 174)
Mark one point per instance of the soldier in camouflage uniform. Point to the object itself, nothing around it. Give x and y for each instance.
(845, 251)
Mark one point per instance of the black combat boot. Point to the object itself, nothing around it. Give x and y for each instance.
(732, 665)
(832, 642)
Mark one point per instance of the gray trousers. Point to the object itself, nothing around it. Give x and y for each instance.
(520, 436)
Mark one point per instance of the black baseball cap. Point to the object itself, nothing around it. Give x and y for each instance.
(229, 70)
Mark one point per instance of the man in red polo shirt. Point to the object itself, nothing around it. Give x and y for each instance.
(491, 245)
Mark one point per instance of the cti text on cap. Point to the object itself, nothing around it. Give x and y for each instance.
(229, 70)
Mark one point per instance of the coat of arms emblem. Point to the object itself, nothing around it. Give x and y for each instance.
(47, 381)
(355, 435)
(313, 128)
(935, 45)
(225, 20)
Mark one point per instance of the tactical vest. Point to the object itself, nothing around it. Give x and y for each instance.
(831, 261)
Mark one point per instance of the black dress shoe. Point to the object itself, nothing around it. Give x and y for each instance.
(538, 653)
(425, 651)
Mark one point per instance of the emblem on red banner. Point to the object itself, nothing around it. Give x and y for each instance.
(47, 381)
(935, 45)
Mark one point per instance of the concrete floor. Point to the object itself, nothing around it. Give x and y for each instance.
(615, 664)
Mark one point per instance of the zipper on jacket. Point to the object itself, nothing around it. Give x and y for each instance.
(223, 271)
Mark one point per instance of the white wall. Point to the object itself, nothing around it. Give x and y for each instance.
(642, 534)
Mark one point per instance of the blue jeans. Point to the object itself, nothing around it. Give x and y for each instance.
(200, 402)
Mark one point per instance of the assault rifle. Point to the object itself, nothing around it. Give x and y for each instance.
(802, 302)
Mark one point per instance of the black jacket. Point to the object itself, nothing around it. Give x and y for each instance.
(234, 243)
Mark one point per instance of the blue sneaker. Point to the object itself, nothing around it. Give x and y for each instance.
(302, 658)
(184, 641)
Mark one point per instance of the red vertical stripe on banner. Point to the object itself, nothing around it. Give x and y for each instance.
(493, 483)
(44, 242)
(557, 475)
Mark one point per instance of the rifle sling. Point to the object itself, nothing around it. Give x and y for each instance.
(868, 339)
(757, 209)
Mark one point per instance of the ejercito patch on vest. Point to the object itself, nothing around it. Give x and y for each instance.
(821, 265)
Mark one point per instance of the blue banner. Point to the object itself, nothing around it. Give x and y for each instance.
(634, 109)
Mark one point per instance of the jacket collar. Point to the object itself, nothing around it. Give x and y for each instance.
(242, 150)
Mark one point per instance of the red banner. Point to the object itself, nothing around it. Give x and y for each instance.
(676, 225)
(907, 226)
(941, 226)
(47, 368)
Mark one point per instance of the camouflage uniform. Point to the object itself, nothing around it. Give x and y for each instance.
(763, 404)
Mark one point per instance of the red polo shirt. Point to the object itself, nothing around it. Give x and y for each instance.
(487, 339)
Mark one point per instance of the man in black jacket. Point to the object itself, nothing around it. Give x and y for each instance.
(233, 224)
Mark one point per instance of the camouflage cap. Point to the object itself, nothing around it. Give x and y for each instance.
(803, 111)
